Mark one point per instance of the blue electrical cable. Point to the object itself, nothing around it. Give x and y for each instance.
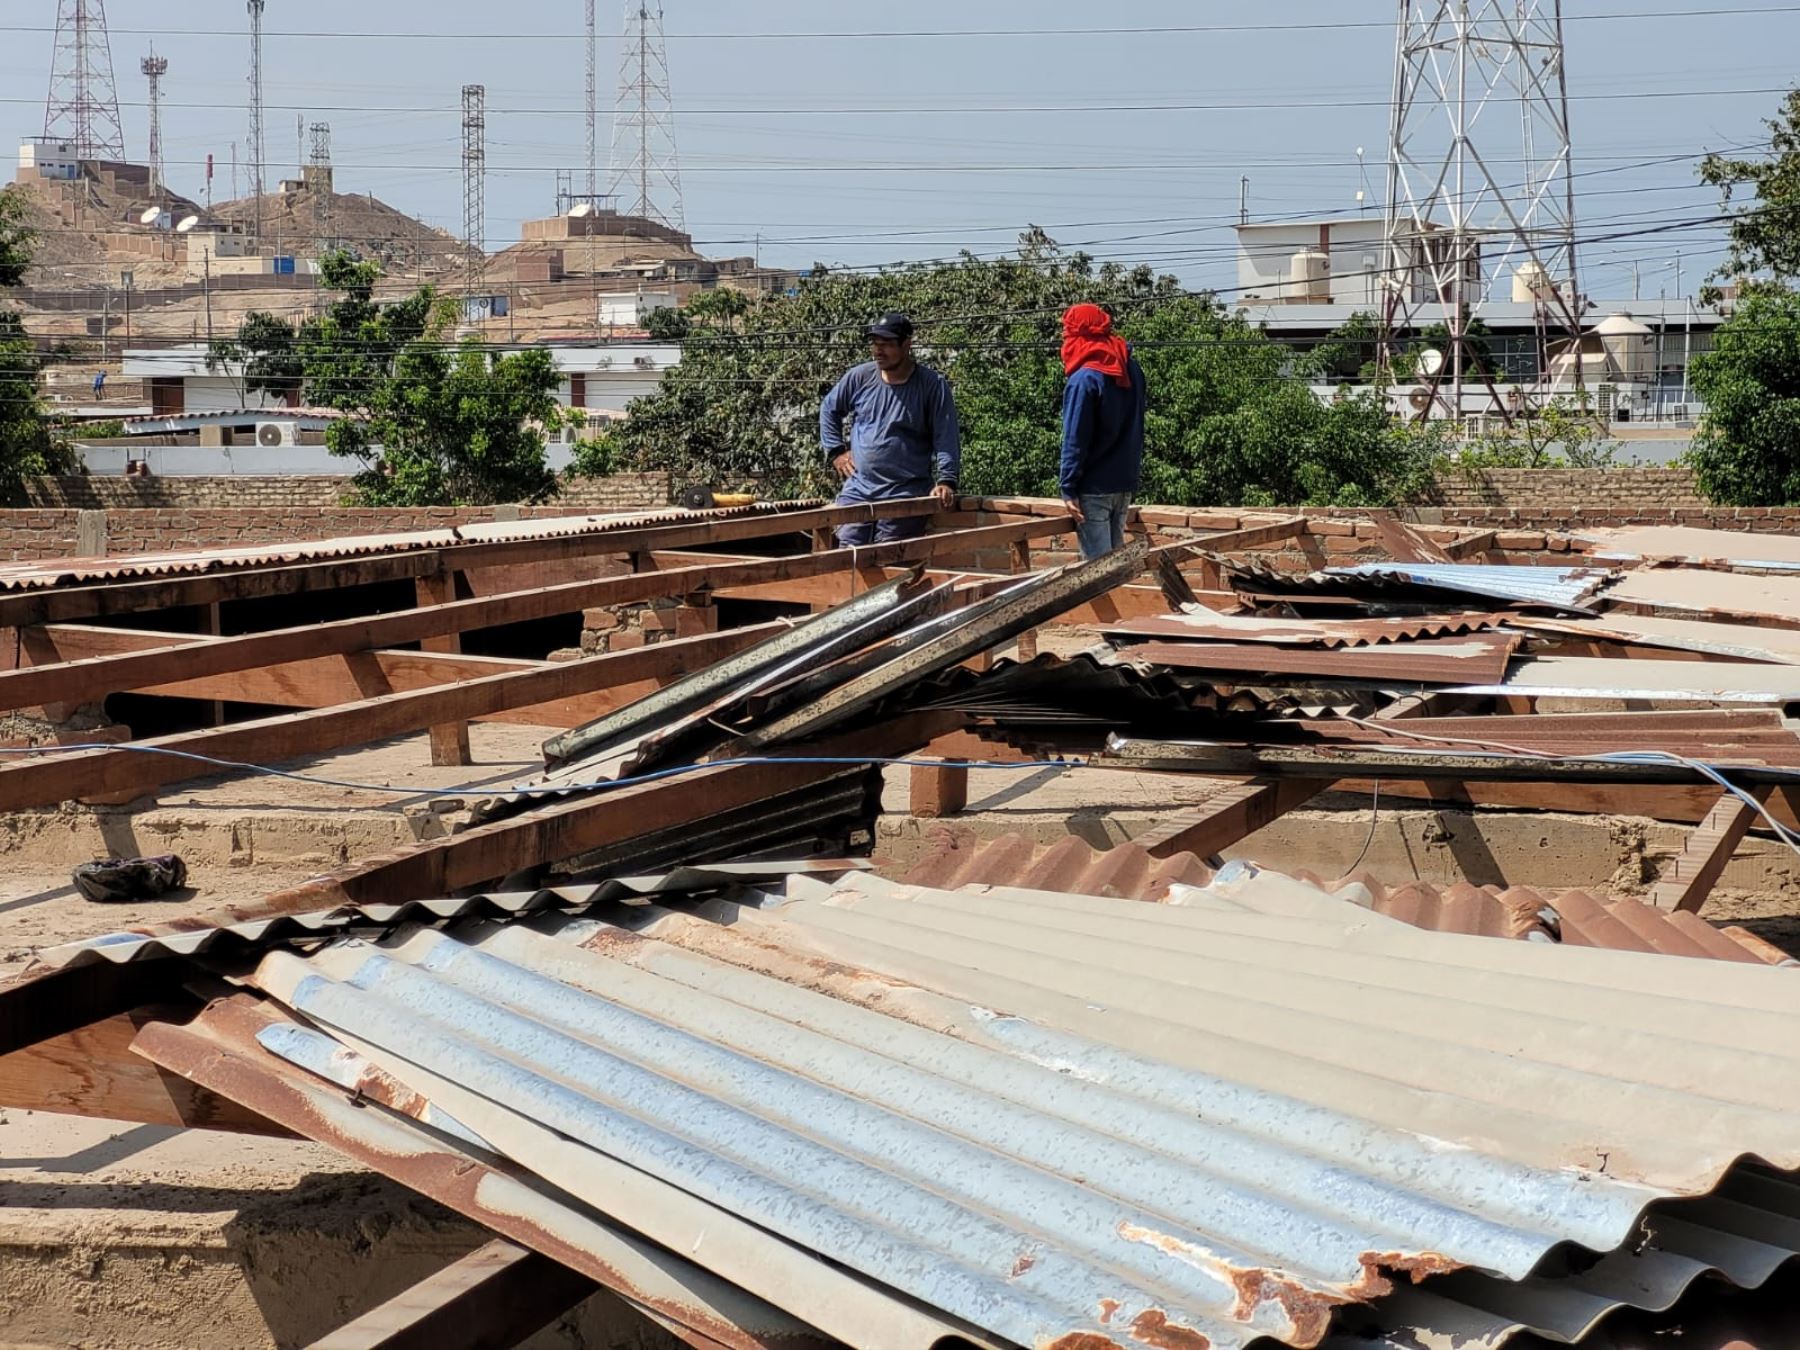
(546, 789)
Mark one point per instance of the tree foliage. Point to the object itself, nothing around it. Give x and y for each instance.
(437, 422)
(1765, 235)
(1232, 420)
(1747, 452)
(30, 444)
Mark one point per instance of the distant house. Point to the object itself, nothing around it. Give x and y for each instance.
(600, 376)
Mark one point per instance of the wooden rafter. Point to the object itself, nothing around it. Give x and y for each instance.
(1689, 877)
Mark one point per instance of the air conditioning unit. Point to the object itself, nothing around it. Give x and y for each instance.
(277, 435)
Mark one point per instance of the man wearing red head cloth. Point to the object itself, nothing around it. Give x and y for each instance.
(1103, 429)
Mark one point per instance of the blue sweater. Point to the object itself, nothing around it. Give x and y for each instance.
(1103, 433)
(903, 437)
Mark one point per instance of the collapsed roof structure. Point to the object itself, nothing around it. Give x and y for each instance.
(654, 1015)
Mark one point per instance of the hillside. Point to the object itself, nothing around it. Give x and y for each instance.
(307, 223)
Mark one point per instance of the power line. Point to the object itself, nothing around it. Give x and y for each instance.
(877, 34)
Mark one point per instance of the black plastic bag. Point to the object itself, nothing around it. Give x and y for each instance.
(123, 879)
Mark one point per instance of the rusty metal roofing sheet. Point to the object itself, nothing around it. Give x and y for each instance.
(1207, 624)
(1570, 915)
(1063, 1116)
(76, 571)
(1470, 659)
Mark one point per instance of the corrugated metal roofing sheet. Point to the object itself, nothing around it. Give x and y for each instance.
(1572, 916)
(1469, 659)
(1701, 592)
(1559, 588)
(1298, 632)
(1681, 543)
(1055, 1116)
(1710, 681)
(75, 571)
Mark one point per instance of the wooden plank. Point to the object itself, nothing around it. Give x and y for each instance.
(1237, 812)
(1229, 816)
(1679, 803)
(497, 1295)
(937, 791)
(91, 1071)
(1403, 542)
(1249, 537)
(449, 740)
(79, 681)
(1689, 877)
(329, 680)
(1472, 545)
(62, 777)
(569, 829)
(70, 603)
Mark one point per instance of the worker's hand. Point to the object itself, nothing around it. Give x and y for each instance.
(845, 464)
(945, 495)
(1073, 507)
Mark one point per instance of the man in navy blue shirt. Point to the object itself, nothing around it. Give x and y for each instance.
(903, 439)
(1103, 429)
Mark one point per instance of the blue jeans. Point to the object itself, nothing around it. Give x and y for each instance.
(866, 532)
(1102, 528)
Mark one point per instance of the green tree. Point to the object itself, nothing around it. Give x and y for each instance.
(1765, 236)
(1747, 452)
(1232, 421)
(30, 444)
(437, 422)
(458, 425)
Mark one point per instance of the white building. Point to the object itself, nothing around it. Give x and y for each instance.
(42, 157)
(634, 310)
(1325, 261)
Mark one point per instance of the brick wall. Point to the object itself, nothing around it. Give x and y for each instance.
(158, 526)
(621, 492)
(1551, 490)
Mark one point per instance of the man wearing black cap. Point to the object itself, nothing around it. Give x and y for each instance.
(903, 439)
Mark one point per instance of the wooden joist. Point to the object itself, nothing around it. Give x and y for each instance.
(78, 682)
(63, 777)
(90, 1071)
(328, 680)
(1689, 877)
(497, 1295)
(65, 604)
(1229, 816)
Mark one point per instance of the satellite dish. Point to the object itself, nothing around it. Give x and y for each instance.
(1430, 362)
(151, 216)
(581, 210)
(268, 434)
(187, 223)
(1420, 399)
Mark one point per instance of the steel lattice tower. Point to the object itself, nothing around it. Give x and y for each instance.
(320, 180)
(1481, 192)
(475, 176)
(83, 103)
(154, 68)
(256, 147)
(593, 103)
(646, 172)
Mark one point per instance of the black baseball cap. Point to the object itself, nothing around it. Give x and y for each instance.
(895, 327)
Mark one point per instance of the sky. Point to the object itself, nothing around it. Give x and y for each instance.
(806, 142)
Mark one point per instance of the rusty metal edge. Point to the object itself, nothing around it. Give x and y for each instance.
(219, 1051)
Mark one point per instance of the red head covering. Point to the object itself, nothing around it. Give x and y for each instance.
(1088, 340)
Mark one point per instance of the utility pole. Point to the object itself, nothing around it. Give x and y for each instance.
(257, 162)
(206, 289)
(154, 68)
